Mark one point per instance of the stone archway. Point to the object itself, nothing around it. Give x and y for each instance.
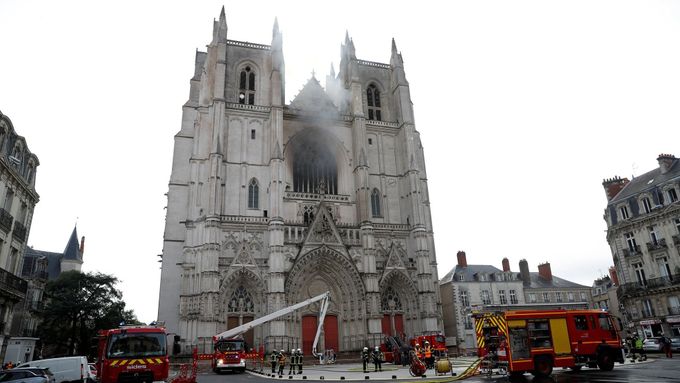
(242, 299)
(399, 304)
(325, 269)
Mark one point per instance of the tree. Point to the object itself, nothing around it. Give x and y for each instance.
(77, 306)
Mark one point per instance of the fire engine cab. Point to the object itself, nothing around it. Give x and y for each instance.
(536, 341)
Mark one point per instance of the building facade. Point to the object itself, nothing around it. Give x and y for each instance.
(17, 202)
(643, 232)
(604, 296)
(467, 289)
(272, 203)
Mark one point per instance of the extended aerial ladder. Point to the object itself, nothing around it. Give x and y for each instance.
(325, 301)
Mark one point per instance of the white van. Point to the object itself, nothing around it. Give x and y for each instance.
(69, 369)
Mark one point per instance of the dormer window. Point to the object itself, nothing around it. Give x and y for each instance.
(623, 212)
(672, 195)
(373, 101)
(246, 86)
(645, 205)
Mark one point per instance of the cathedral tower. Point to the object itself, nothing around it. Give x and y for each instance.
(270, 204)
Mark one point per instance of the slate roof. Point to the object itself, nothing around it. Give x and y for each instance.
(72, 250)
(539, 283)
(469, 272)
(647, 182)
(53, 261)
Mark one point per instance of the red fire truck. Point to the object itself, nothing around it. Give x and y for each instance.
(437, 343)
(230, 351)
(537, 341)
(132, 354)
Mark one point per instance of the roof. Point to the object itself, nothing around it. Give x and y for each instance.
(72, 250)
(647, 182)
(539, 283)
(53, 261)
(469, 272)
(313, 98)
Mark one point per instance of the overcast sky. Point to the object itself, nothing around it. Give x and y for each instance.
(524, 107)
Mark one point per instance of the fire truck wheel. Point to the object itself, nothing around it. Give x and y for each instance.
(543, 366)
(605, 361)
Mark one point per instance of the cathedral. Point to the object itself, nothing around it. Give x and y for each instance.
(271, 203)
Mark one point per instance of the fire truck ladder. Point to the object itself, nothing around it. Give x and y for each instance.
(325, 301)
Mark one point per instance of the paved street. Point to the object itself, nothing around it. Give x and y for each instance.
(657, 369)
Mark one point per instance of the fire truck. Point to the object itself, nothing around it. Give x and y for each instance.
(230, 351)
(132, 354)
(536, 341)
(437, 343)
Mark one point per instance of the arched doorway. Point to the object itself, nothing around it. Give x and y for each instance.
(242, 299)
(320, 270)
(399, 304)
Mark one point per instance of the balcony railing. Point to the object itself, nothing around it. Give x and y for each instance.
(13, 285)
(5, 220)
(634, 288)
(674, 311)
(630, 253)
(19, 231)
(658, 245)
(36, 305)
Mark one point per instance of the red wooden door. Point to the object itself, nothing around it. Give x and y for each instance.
(399, 324)
(248, 335)
(386, 325)
(308, 333)
(330, 329)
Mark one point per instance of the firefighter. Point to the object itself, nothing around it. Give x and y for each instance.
(299, 360)
(293, 362)
(377, 359)
(640, 349)
(417, 351)
(282, 362)
(274, 359)
(427, 355)
(364, 358)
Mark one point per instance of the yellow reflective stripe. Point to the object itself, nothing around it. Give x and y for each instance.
(159, 361)
(150, 361)
(115, 362)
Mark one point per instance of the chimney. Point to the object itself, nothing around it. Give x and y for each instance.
(462, 261)
(524, 271)
(613, 275)
(82, 245)
(506, 264)
(613, 186)
(544, 271)
(665, 162)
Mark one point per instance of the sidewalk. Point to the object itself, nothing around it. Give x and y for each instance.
(354, 371)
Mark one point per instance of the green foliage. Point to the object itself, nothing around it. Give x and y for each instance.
(78, 305)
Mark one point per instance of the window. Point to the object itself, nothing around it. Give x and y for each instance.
(677, 224)
(570, 296)
(646, 205)
(373, 101)
(246, 86)
(375, 203)
(584, 298)
(640, 274)
(9, 199)
(486, 299)
(647, 308)
(653, 236)
(580, 322)
(461, 277)
(558, 297)
(532, 297)
(664, 268)
(464, 298)
(672, 195)
(623, 211)
(370, 141)
(314, 165)
(513, 297)
(252, 134)
(501, 297)
(253, 195)
(546, 297)
(630, 240)
(673, 305)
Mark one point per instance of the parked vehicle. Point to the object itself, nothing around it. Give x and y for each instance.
(27, 375)
(66, 369)
(675, 344)
(652, 344)
(93, 369)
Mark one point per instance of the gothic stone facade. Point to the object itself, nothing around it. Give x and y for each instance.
(270, 204)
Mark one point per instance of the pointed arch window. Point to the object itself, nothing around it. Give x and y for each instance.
(373, 101)
(246, 86)
(375, 203)
(253, 195)
(391, 300)
(241, 301)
